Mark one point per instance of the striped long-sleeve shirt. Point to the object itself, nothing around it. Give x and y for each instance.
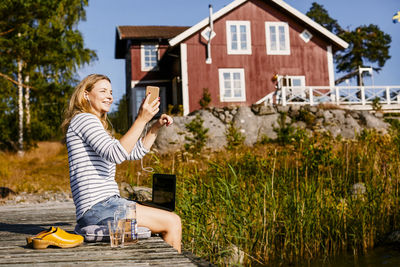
(92, 156)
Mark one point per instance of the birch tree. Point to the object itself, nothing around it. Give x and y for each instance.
(40, 50)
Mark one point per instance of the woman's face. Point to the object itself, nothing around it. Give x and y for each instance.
(100, 97)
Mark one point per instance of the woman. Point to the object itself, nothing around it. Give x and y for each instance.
(93, 154)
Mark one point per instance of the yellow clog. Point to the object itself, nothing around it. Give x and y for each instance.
(39, 235)
(58, 238)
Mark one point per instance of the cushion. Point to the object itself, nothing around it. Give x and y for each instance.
(98, 233)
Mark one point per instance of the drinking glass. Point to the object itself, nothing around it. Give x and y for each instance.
(117, 232)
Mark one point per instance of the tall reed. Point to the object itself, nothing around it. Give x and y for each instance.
(290, 203)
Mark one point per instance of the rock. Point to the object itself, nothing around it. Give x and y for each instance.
(300, 124)
(5, 192)
(284, 109)
(358, 191)
(266, 110)
(258, 122)
(141, 193)
(216, 133)
(327, 115)
(394, 238)
(266, 126)
(235, 257)
(172, 138)
(125, 190)
(247, 123)
(373, 122)
(313, 109)
(338, 115)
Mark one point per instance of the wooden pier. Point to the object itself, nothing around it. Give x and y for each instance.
(20, 221)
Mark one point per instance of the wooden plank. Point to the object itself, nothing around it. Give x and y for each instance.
(20, 221)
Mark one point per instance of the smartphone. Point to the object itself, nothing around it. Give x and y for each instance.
(154, 90)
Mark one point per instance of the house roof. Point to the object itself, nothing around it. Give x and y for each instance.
(125, 33)
(149, 32)
(292, 11)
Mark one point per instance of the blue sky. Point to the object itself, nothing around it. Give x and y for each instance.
(102, 17)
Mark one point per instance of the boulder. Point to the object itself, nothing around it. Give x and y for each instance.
(247, 123)
(171, 138)
(373, 122)
(217, 129)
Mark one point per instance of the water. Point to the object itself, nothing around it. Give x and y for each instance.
(381, 256)
(378, 257)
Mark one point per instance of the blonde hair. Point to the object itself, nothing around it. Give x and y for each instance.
(79, 104)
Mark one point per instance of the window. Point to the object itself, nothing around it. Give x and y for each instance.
(149, 57)
(296, 86)
(238, 37)
(306, 36)
(232, 85)
(277, 34)
(295, 81)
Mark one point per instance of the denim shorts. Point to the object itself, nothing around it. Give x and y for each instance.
(102, 212)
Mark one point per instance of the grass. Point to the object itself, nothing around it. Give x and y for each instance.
(275, 204)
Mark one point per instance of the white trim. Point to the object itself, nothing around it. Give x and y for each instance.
(285, 25)
(142, 57)
(185, 82)
(238, 23)
(136, 82)
(306, 32)
(222, 98)
(205, 22)
(331, 72)
(338, 41)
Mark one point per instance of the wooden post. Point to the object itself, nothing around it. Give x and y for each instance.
(283, 96)
(362, 95)
(388, 100)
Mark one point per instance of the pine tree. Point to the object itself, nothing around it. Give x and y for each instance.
(368, 45)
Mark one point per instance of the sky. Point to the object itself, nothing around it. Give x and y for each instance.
(103, 16)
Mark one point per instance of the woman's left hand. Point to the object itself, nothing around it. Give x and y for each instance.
(165, 120)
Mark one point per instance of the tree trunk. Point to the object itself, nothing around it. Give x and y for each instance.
(20, 111)
(27, 105)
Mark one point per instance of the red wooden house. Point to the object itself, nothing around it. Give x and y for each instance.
(253, 42)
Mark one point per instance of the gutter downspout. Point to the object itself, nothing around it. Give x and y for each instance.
(209, 60)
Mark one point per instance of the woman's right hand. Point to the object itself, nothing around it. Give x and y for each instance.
(148, 110)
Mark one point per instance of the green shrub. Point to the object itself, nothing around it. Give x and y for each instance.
(198, 141)
(234, 137)
(206, 99)
(284, 131)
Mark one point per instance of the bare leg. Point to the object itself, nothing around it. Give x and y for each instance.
(168, 224)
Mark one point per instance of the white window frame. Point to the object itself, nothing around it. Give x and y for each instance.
(306, 36)
(222, 88)
(268, 39)
(143, 58)
(238, 51)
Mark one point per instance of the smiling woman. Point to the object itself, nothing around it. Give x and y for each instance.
(93, 154)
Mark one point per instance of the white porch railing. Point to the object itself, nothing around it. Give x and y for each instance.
(354, 97)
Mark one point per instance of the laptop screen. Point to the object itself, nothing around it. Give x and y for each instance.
(164, 189)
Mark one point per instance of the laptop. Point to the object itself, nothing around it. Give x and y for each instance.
(164, 191)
